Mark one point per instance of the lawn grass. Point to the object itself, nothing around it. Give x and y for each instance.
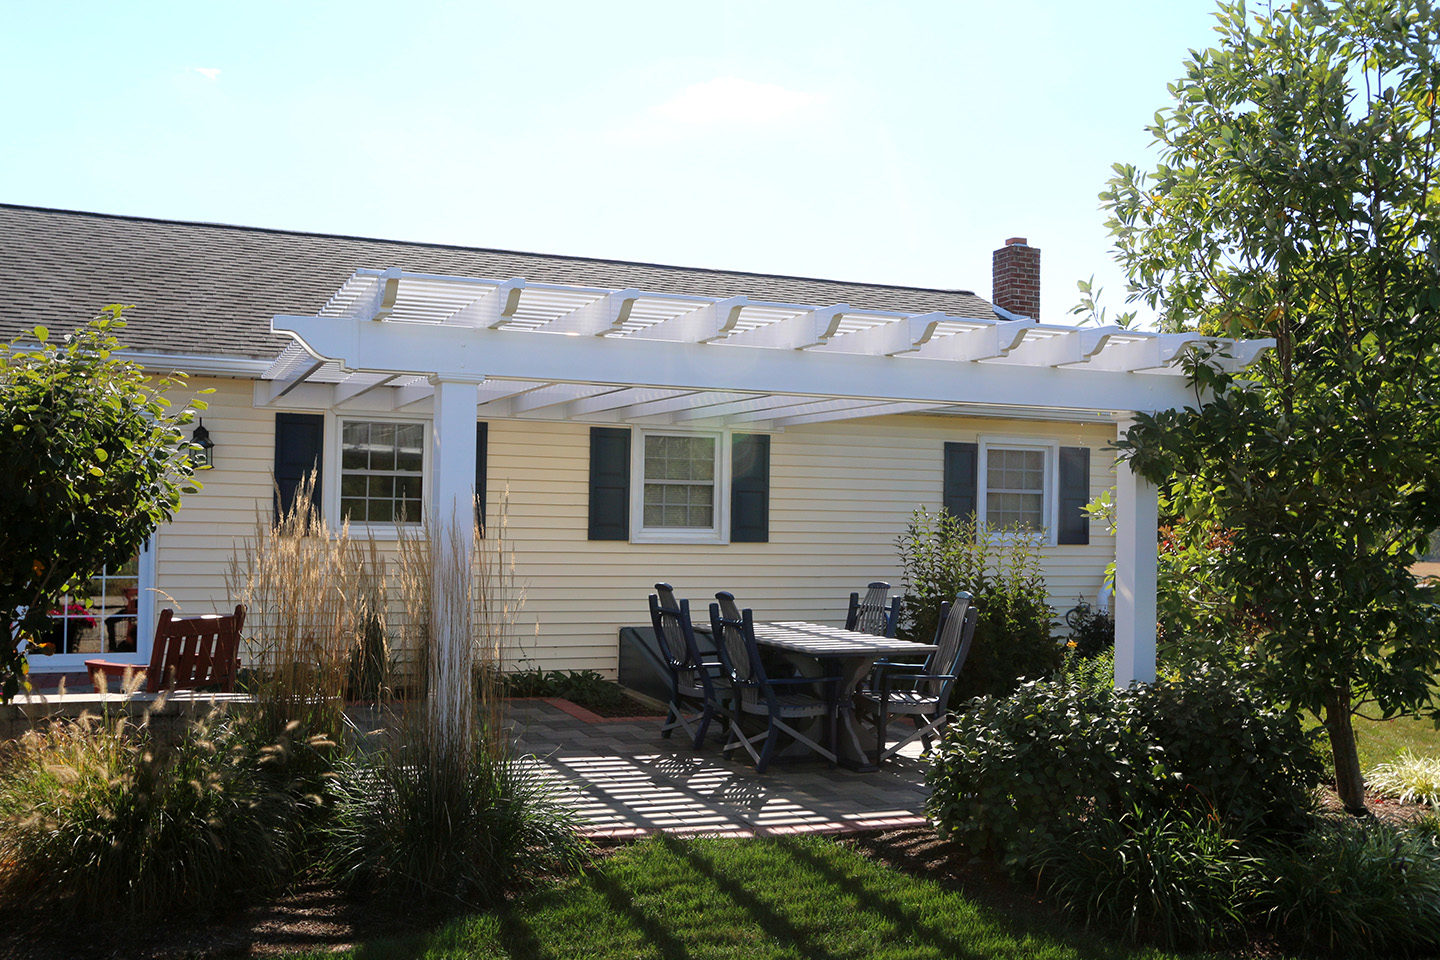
(796, 897)
(1381, 741)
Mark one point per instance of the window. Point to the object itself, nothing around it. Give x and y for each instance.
(382, 470)
(679, 486)
(111, 616)
(1017, 488)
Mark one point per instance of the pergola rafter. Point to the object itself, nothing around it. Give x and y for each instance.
(516, 306)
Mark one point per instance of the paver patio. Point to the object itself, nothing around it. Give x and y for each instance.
(625, 780)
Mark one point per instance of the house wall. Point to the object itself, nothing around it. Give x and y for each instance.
(840, 494)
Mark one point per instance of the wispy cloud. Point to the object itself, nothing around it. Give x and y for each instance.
(732, 101)
(209, 73)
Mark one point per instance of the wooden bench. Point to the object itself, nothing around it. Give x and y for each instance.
(190, 653)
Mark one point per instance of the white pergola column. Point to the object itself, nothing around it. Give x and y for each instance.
(1137, 512)
(451, 505)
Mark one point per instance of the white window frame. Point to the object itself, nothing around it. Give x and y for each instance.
(720, 532)
(144, 626)
(1051, 498)
(330, 503)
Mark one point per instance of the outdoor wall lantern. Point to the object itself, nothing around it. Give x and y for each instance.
(204, 457)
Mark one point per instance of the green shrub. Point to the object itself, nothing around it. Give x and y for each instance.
(584, 687)
(1408, 778)
(423, 820)
(1355, 889)
(1097, 671)
(102, 821)
(1091, 631)
(942, 555)
(1161, 877)
(1012, 774)
(1229, 751)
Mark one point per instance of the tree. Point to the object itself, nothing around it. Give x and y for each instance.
(1296, 198)
(92, 460)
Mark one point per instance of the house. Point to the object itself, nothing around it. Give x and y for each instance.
(763, 434)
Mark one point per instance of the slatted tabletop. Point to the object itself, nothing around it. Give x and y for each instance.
(819, 640)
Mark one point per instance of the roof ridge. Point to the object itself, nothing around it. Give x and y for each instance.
(497, 250)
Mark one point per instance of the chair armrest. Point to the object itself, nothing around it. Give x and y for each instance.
(882, 665)
(111, 669)
(101, 671)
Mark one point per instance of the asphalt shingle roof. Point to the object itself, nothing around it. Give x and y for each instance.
(203, 288)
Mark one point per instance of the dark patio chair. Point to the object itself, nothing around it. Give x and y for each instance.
(878, 613)
(921, 694)
(756, 694)
(693, 695)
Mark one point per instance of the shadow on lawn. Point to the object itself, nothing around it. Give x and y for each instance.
(771, 922)
(1006, 905)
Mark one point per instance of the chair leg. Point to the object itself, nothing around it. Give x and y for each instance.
(672, 720)
(882, 722)
(834, 734)
(925, 727)
(704, 726)
(768, 751)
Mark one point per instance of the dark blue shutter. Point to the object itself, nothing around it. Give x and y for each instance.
(750, 488)
(962, 462)
(299, 448)
(482, 436)
(1074, 525)
(609, 483)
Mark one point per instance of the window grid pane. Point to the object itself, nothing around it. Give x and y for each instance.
(1015, 488)
(102, 616)
(679, 482)
(381, 471)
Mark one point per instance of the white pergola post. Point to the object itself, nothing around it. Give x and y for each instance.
(1137, 512)
(451, 507)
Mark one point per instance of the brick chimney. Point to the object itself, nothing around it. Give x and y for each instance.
(1016, 278)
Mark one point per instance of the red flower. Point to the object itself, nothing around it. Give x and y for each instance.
(76, 613)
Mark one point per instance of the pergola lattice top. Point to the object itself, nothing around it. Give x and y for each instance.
(513, 325)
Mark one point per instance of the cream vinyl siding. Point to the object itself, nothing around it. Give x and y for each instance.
(840, 493)
(194, 549)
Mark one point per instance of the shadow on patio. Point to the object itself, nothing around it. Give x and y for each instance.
(625, 780)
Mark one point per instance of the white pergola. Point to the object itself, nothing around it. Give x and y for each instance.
(462, 348)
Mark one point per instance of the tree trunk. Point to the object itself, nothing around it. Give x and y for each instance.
(1349, 783)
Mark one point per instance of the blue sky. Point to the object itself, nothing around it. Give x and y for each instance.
(895, 142)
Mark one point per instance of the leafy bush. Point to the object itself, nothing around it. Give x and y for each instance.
(1230, 751)
(1408, 778)
(1097, 671)
(1014, 774)
(942, 555)
(1355, 889)
(422, 820)
(1092, 631)
(101, 821)
(584, 687)
(1153, 876)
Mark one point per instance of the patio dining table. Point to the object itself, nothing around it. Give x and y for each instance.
(820, 649)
